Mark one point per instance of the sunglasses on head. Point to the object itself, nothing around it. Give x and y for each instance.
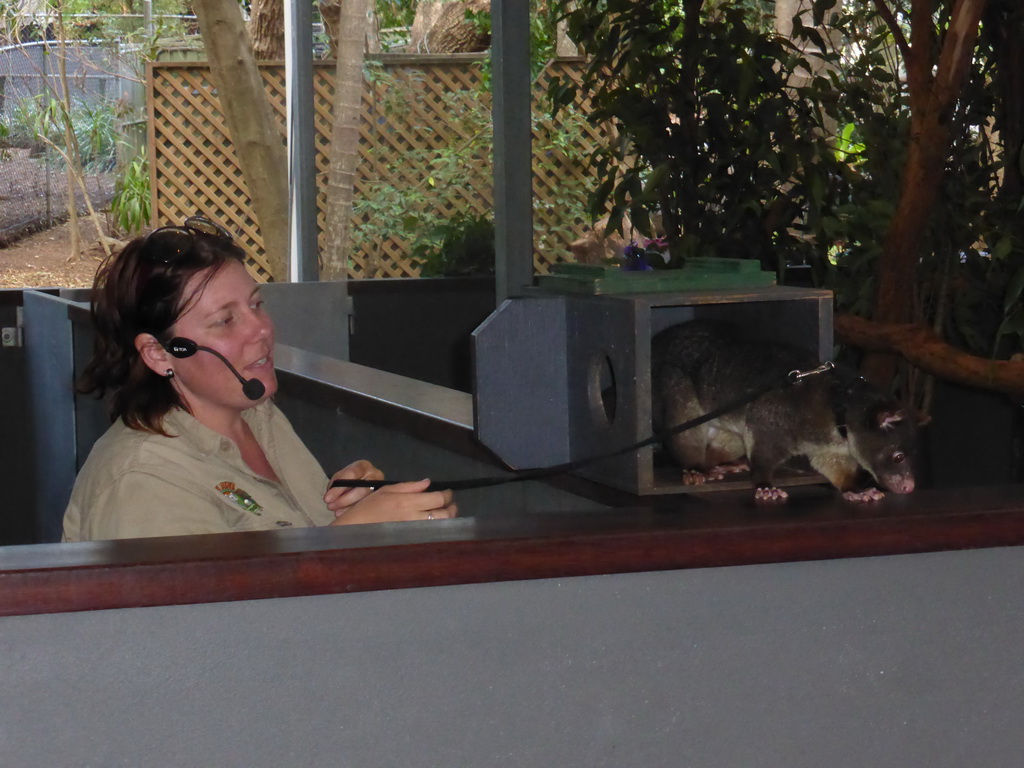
(170, 244)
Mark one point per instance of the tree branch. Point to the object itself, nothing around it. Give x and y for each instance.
(957, 49)
(923, 348)
(919, 62)
(894, 27)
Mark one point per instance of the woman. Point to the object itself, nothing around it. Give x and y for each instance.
(192, 450)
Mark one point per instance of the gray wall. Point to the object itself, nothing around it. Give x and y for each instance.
(419, 328)
(310, 316)
(897, 661)
(17, 525)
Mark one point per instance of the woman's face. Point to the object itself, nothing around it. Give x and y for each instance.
(226, 315)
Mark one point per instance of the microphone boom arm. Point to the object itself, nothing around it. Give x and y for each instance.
(180, 347)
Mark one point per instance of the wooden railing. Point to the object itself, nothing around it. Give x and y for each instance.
(675, 534)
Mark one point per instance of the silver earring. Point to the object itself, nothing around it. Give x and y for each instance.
(170, 373)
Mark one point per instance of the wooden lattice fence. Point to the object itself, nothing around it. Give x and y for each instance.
(422, 123)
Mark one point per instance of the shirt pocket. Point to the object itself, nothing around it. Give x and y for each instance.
(240, 510)
(263, 510)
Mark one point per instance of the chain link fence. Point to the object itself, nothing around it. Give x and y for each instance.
(34, 182)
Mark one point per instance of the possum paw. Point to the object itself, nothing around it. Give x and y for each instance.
(693, 477)
(719, 472)
(770, 494)
(869, 494)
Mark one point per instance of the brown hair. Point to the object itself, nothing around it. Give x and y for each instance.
(135, 293)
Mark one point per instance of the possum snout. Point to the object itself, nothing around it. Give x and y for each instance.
(898, 483)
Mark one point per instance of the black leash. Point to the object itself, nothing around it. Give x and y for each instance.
(522, 475)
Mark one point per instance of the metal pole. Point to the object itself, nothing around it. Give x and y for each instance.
(513, 174)
(298, 56)
(147, 20)
(44, 70)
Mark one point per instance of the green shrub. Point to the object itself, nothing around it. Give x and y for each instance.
(418, 184)
(37, 121)
(131, 204)
(96, 133)
(459, 246)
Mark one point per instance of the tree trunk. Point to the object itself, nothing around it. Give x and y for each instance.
(564, 46)
(442, 27)
(427, 14)
(348, 92)
(72, 154)
(920, 187)
(934, 84)
(372, 31)
(71, 166)
(266, 23)
(250, 122)
(330, 15)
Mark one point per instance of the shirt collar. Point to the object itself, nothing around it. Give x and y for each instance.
(180, 423)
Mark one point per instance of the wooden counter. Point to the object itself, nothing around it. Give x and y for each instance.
(693, 533)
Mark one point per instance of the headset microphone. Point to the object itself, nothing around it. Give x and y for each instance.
(181, 347)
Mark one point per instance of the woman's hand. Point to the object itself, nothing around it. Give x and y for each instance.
(390, 503)
(338, 500)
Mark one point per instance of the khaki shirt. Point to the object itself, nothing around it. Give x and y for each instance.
(136, 484)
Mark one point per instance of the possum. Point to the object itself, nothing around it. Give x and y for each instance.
(838, 421)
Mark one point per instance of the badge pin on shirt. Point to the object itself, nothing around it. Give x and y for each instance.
(240, 497)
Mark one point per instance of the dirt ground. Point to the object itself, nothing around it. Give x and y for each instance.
(44, 260)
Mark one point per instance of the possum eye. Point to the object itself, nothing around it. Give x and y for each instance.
(898, 457)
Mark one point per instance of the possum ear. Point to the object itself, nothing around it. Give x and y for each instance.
(886, 418)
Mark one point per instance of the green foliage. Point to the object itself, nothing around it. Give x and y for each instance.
(96, 134)
(734, 163)
(26, 122)
(90, 20)
(37, 121)
(425, 176)
(849, 210)
(972, 252)
(711, 146)
(394, 19)
(459, 246)
(395, 13)
(848, 150)
(453, 155)
(130, 207)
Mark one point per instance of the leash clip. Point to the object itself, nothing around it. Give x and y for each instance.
(795, 376)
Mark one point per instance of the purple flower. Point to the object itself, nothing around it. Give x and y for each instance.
(632, 250)
(634, 258)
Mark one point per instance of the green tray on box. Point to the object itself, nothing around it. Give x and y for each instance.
(699, 274)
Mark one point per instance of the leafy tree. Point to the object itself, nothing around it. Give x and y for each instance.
(711, 138)
(897, 158)
(930, 234)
